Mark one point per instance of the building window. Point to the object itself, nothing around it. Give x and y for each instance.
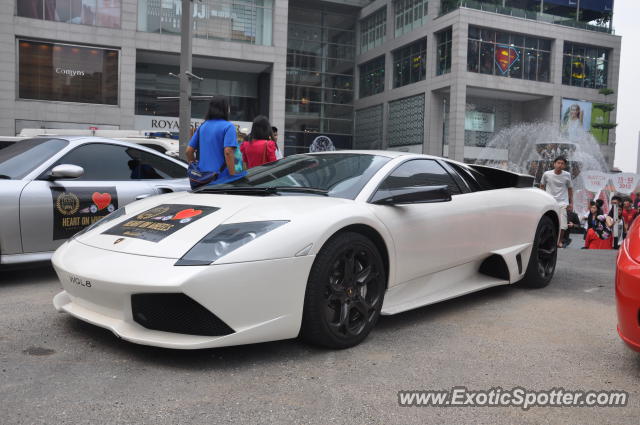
(246, 21)
(585, 66)
(102, 13)
(368, 131)
(444, 52)
(153, 79)
(321, 49)
(373, 30)
(372, 77)
(410, 14)
(508, 54)
(69, 73)
(409, 63)
(406, 121)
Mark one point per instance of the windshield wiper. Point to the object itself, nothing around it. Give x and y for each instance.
(264, 191)
(313, 190)
(4, 176)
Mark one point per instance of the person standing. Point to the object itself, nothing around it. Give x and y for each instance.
(573, 225)
(215, 144)
(274, 137)
(628, 215)
(260, 149)
(557, 183)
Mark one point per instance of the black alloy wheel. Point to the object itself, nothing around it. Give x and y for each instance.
(544, 253)
(345, 292)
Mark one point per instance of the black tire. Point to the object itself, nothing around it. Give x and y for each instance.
(542, 263)
(344, 293)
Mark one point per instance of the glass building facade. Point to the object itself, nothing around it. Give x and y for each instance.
(372, 77)
(319, 83)
(373, 30)
(508, 54)
(410, 64)
(102, 13)
(410, 14)
(445, 43)
(593, 15)
(247, 21)
(153, 81)
(585, 66)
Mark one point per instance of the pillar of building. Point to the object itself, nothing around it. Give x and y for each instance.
(458, 96)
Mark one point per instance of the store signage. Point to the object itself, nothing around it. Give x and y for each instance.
(172, 124)
(70, 72)
(479, 121)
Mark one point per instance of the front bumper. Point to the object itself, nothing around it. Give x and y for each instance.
(628, 298)
(260, 301)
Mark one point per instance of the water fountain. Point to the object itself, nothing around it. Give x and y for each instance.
(530, 148)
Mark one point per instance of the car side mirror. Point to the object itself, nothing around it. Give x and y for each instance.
(412, 195)
(65, 171)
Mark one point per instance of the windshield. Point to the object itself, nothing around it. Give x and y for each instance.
(19, 159)
(341, 175)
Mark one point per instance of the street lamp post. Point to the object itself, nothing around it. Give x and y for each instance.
(186, 62)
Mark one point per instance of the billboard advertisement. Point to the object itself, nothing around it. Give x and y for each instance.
(575, 118)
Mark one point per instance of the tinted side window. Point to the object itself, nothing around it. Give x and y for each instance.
(420, 172)
(100, 161)
(151, 163)
(103, 162)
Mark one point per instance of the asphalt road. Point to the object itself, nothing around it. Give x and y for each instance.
(55, 369)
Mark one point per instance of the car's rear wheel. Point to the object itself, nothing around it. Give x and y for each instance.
(344, 292)
(544, 253)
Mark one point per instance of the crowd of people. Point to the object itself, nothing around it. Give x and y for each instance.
(217, 153)
(597, 226)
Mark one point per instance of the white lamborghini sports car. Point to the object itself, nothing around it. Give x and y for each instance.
(316, 245)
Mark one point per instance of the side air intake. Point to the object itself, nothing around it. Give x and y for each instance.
(495, 266)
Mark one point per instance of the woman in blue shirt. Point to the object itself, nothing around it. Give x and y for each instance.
(215, 141)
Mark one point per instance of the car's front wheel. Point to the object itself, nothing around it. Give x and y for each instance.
(544, 253)
(344, 293)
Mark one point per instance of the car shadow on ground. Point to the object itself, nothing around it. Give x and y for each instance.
(26, 274)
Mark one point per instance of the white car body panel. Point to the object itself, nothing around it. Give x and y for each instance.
(435, 252)
(26, 217)
(261, 317)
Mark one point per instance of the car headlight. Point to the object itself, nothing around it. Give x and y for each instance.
(112, 216)
(225, 239)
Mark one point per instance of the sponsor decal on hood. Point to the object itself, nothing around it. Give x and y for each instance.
(157, 223)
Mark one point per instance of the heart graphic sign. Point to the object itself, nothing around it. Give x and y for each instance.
(188, 213)
(102, 200)
(75, 208)
(506, 57)
(157, 223)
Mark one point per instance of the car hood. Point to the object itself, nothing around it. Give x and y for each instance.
(168, 226)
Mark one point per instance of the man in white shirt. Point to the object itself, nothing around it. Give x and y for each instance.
(557, 183)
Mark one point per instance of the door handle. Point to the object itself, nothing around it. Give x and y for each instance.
(144, 195)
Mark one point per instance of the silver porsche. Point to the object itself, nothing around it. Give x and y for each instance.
(52, 187)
